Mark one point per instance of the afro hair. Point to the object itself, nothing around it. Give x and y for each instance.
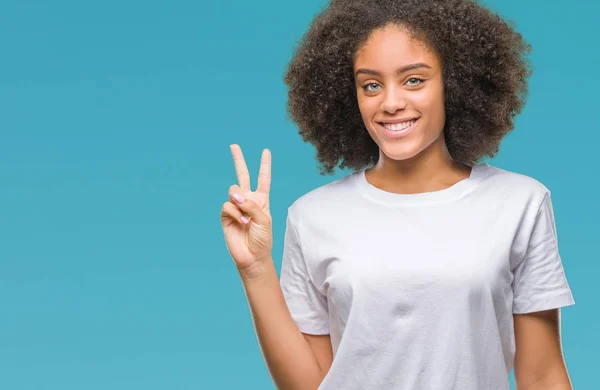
(484, 69)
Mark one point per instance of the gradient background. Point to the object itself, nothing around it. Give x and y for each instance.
(115, 124)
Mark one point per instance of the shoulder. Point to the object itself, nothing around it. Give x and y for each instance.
(512, 184)
(324, 198)
(516, 179)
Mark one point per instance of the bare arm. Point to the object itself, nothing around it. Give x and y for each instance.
(321, 346)
(289, 357)
(539, 362)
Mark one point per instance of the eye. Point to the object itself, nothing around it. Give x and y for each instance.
(366, 87)
(419, 79)
(416, 78)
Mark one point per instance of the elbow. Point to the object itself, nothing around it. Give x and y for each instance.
(548, 383)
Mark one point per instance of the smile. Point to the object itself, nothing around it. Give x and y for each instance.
(397, 130)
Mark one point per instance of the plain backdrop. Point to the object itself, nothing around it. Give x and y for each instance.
(115, 124)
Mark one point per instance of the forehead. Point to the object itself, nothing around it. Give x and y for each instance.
(392, 46)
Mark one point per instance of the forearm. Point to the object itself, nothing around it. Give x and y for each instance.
(289, 358)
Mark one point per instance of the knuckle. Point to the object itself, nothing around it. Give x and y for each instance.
(231, 208)
(226, 208)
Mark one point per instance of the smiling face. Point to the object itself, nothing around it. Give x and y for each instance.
(388, 93)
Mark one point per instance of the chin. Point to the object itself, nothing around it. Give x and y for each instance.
(403, 150)
(401, 156)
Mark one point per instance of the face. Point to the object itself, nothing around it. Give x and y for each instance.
(387, 93)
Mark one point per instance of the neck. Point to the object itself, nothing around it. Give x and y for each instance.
(425, 172)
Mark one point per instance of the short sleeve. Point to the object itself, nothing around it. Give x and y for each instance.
(539, 279)
(307, 305)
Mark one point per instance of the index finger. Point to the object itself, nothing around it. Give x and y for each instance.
(264, 174)
(241, 169)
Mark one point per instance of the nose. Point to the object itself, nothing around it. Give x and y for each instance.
(393, 100)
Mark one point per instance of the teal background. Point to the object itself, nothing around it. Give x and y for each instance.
(115, 124)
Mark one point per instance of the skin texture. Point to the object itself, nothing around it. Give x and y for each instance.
(539, 363)
(321, 346)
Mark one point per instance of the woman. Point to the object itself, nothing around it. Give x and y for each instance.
(422, 269)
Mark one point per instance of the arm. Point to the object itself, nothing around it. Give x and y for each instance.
(321, 346)
(288, 355)
(539, 362)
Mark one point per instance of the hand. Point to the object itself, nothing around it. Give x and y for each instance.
(249, 243)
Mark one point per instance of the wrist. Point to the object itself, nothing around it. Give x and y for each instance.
(257, 270)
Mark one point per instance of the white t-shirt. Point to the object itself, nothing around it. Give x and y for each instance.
(418, 291)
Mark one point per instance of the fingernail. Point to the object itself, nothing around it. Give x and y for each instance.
(238, 198)
(244, 219)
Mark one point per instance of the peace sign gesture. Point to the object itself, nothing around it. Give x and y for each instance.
(249, 240)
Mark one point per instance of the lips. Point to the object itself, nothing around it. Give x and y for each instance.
(396, 121)
(399, 133)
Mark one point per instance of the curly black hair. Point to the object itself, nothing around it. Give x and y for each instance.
(484, 69)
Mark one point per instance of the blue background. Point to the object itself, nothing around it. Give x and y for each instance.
(115, 124)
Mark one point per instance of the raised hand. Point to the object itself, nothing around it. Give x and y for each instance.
(250, 240)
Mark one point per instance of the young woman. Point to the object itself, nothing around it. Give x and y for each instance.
(424, 268)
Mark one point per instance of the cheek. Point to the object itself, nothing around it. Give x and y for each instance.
(367, 107)
(436, 107)
(433, 108)
(435, 98)
(425, 100)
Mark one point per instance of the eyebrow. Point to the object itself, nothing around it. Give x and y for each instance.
(398, 71)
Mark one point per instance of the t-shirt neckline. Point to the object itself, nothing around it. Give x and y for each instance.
(449, 194)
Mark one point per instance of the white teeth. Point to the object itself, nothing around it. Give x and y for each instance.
(398, 126)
